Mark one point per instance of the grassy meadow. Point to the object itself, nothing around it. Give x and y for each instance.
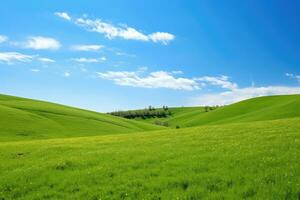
(26, 119)
(238, 157)
(256, 109)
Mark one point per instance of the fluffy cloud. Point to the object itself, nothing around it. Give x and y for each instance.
(228, 97)
(293, 76)
(11, 57)
(222, 81)
(63, 15)
(3, 38)
(164, 38)
(159, 79)
(112, 31)
(86, 47)
(39, 42)
(89, 60)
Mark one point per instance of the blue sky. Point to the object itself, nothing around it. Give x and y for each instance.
(110, 55)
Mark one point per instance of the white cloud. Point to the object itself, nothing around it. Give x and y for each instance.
(87, 47)
(222, 81)
(35, 70)
(162, 79)
(159, 79)
(11, 57)
(67, 74)
(240, 94)
(46, 60)
(89, 60)
(293, 76)
(164, 38)
(125, 54)
(63, 15)
(111, 31)
(103, 58)
(3, 38)
(39, 42)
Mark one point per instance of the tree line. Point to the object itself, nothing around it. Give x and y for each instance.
(150, 112)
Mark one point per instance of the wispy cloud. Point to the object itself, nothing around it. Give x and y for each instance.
(159, 79)
(15, 57)
(177, 72)
(293, 76)
(63, 15)
(46, 60)
(163, 79)
(222, 81)
(87, 47)
(11, 57)
(118, 53)
(89, 60)
(3, 38)
(112, 31)
(39, 42)
(228, 97)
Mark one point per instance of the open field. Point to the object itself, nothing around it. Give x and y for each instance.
(248, 150)
(258, 160)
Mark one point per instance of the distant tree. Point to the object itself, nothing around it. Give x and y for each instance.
(151, 108)
(149, 112)
(165, 108)
(177, 126)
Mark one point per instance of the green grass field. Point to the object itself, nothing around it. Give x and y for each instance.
(256, 109)
(253, 153)
(30, 119)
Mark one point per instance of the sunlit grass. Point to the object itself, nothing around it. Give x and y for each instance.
(26, 119)
(258, 160)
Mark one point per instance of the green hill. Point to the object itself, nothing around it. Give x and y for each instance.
(22, 118)
(256, 109)
(247, 150)
(258, 160)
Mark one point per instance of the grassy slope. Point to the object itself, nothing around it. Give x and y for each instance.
(180, 116)
(256, 109)
(22, 118)
(258, 160)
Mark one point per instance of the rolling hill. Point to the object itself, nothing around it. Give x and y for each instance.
(22, 118)
(256, 109)
(247, 150)
(258, 160)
